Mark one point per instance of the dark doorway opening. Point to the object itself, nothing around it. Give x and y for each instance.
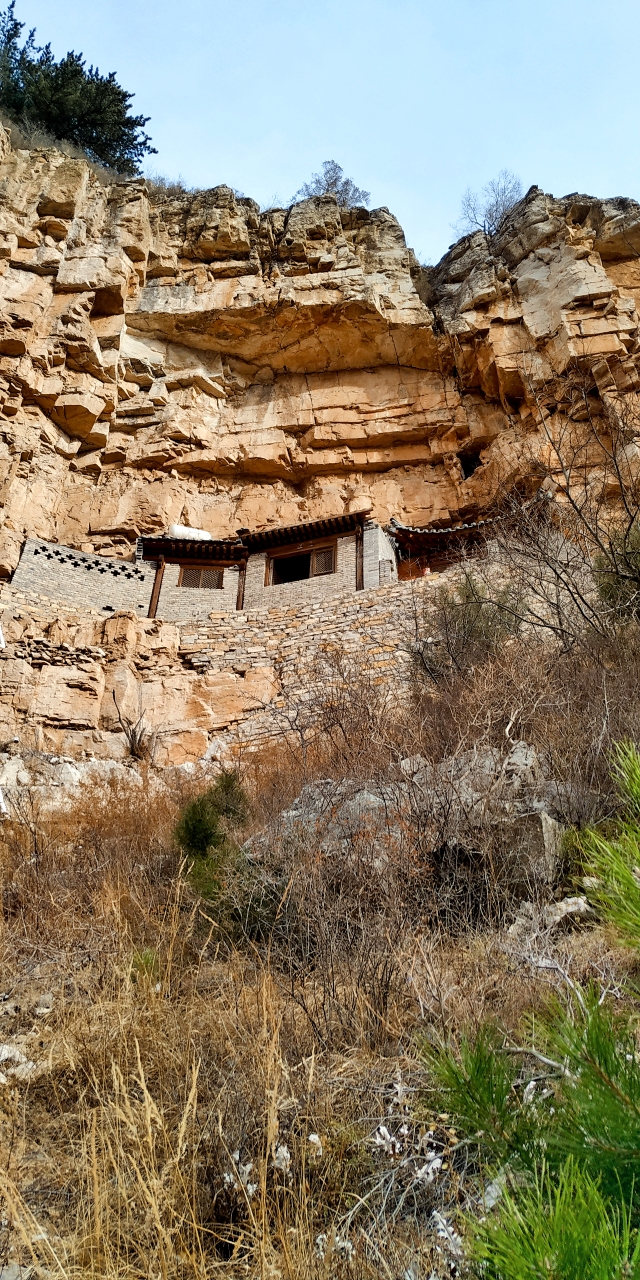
(291, 568)
(470, 463)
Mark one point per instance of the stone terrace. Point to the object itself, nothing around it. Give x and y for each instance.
(204, 686)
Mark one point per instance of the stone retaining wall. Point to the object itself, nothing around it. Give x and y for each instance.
(207, 687)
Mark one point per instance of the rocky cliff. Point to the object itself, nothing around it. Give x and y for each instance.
(186, 357)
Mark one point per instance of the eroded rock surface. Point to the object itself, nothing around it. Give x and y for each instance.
(190, 358)
(186, 358)
(434, 813)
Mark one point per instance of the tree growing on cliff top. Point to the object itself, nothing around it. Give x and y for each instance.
(331, 182)
(485, 210)
(66, 99)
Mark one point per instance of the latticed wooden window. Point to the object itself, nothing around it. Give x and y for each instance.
(322, 561)
(210, 579)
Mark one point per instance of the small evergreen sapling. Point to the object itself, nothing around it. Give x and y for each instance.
(558, 1228)
(612, 860)
(557, 1116)
(203, 831)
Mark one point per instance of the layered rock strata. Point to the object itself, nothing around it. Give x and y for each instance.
(188, 357)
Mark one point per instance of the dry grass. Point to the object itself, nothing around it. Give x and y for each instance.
(175, 1052)
(25, 135)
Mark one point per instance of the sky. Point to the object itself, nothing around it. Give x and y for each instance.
(416, 99)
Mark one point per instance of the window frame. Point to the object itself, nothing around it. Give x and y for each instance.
(301, 548)
(203, 568)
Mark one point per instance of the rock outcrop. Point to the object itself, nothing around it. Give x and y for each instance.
(188, 358)
(433, 805)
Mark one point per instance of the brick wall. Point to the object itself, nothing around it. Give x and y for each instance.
(378, 558)
(183, 604)
(257, 595)
(78, 580)
(83, 581)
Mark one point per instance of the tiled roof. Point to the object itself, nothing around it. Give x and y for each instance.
(411, 537)
(300, 532)
(235, 550)
(181, 549)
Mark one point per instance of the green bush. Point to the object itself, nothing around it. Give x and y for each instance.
(478, 1085)
(560, 1227)
(574, 1140)
(202, 831)
(145, 965)
(556, 1117)
(611, 859)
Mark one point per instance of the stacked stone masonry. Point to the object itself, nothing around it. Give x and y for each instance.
(99, 582)
(207, 687)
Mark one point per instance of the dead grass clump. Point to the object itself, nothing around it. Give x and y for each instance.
(25, 135)
(74, 876)
(166, 1128)
(161, 188)
(184, 1105)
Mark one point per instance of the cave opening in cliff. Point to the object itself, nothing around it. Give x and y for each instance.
(470, 463)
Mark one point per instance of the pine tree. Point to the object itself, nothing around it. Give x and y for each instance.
(66, 99)
(566, 1154)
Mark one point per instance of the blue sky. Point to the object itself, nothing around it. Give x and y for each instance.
(416, 99)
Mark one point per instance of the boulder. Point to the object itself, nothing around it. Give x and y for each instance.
(465, 800)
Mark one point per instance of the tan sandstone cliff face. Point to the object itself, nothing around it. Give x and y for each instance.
(192, 359)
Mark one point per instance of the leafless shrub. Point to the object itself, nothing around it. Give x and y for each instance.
(486, 210)
(461, 624)
(332, 182)
(162, 188)
(337, 716)
(571, 545)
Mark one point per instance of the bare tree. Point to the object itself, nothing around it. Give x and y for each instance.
(572, 547)
(485, 210)
(331, 182)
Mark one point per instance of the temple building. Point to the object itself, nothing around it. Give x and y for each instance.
(186, 574)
